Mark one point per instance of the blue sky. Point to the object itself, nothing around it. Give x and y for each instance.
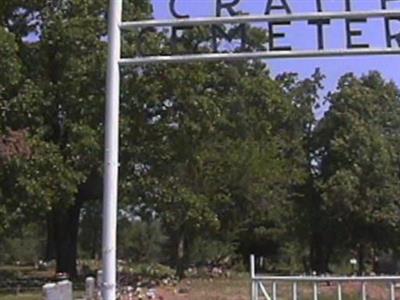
(302, 36)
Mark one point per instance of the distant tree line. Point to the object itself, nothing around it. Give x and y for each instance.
(218, 160)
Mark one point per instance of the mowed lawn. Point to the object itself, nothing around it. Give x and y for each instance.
(27, 296)
(33, 296)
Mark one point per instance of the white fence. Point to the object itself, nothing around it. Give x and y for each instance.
(266, 287)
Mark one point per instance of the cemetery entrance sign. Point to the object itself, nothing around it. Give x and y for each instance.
(278, 18)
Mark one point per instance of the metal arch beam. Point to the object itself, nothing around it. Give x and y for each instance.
(211, 57)
(259, 18)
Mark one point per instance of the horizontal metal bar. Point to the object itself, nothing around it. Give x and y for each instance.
(209, 57)
(260, 18)
(327, 278)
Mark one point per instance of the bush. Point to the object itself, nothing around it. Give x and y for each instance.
(24, 247)
(205, 251)
(141, 241)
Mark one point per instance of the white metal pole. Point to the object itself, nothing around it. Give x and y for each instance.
(339, 291)
(364, 291)
(254, 291)
(110, 188)
(315, 291)
(274, 291)
(392, 291)
(294, 290)
(252, 266)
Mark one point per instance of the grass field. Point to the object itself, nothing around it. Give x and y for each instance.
(27, 296)
(33, 296)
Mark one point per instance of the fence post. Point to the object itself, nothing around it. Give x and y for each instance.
(364, 291)
(392, 291)
(294, 290)
(274, 290)
(315, 291)
(339, 290)
(254, 287)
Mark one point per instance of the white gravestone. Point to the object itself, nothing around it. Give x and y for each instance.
(99, 283)
(65, 290)
(90, 288)
(58, 291)
(50, 291)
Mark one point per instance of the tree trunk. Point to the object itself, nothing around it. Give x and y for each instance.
(50, 243)
(180, 255)
(319, 258)
(65, 222)
(361, 259)
(94, 244)
(66, 225)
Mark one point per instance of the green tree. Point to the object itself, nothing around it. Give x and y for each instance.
(359, 180)
(216, 153)
(306, 231)
(53, 61)
(140, 241)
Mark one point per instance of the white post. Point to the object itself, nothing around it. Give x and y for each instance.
(252, 266)
(339, 290)
(274, 291)
(392, 291)
(254, 290)
(364, 291)
(110, 188)
(294, 290)
(315, 291)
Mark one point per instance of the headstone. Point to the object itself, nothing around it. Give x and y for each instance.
(151, 294)
(130, 292)
(90, 288)
(50, 291)
(58, 291)
(99, 283)
(65, 290)
(99, 279)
